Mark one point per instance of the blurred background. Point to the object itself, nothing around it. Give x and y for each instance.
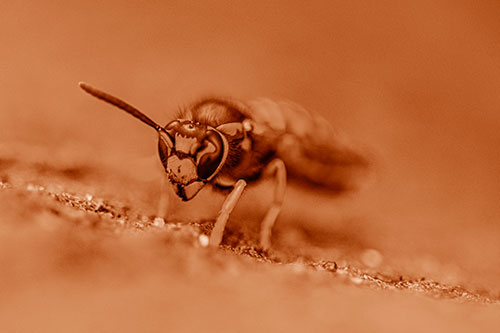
(414, 82)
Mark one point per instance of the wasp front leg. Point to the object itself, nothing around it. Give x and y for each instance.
(278, 169)
(227, 208)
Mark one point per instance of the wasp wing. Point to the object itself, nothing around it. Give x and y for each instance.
(313, 151)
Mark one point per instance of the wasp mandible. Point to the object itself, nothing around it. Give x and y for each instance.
(228, 144)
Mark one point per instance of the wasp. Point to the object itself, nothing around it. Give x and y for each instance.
(228, 144)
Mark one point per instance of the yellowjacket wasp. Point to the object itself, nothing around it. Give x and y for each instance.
(228, 143)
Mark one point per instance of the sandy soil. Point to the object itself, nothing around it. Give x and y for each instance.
(75, 260)
(415, 84)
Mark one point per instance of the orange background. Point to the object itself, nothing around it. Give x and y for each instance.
(416, 81)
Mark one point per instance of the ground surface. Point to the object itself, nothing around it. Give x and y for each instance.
(415, 83)
(77, 255)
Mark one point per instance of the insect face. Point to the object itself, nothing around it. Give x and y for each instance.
(192, 155)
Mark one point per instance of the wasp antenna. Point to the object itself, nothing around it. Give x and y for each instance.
(120, 104)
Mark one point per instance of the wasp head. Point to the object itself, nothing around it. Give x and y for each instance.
(192, 155)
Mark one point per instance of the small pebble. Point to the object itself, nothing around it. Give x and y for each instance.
(158, 222)
(371, 258)
(88, 197)
(356, 280)
(203, 239)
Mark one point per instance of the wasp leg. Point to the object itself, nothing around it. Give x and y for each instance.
(164, 202)
(278, 168)
(227, 208)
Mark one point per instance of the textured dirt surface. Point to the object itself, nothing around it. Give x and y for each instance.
(116, 218)
(414, 83)
(76, 256)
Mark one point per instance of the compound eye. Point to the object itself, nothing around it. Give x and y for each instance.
(212, 156)
(165, 145)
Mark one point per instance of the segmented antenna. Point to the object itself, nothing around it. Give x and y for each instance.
(120, 104)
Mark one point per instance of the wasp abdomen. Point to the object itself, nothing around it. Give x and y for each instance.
(313, 151)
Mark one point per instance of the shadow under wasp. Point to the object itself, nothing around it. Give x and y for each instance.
(228, 144)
